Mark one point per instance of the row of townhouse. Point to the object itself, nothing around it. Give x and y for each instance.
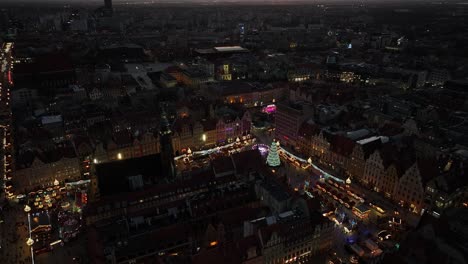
(186, 134)
(381, 165)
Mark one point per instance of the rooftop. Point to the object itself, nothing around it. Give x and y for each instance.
(276, 190)
(113, 176)
(230, 49)
(223, 165)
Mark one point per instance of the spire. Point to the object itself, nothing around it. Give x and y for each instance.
(212, 111)
(165, 127)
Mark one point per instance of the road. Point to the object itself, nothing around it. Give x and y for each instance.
(13, 237)
(14, 229)
(6, 66)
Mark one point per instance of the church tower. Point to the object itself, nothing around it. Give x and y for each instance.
(165, 141)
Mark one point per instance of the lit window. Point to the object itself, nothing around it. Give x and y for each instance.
(213, 243)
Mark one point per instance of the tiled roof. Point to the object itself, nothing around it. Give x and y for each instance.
(26, 158)
(403, 159)
(209, 124)
(173, 69)
(428, 169)
(237, 216)
(246, 160)
(112, 176)
(181, 122)
(307, 130)
(156, 239)
(370, 147)
(45, 63)
(123, 138)
(342, 145)
(194, 183)
(278, 191)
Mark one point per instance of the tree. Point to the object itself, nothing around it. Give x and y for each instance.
(273, 159)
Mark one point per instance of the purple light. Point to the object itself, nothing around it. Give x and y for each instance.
(269, 109)
(262, 148)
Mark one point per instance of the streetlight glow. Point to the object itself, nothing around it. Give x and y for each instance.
(29, 242)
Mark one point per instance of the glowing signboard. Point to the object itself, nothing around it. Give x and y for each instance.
(269, 109)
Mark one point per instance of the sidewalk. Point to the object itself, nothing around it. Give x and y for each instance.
(13, 238)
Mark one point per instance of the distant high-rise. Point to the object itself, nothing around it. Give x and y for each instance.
(108, 7)
(108, 4)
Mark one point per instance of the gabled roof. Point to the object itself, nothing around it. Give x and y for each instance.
(402, 159)
(54, 154)
(209, 124)
(342, 145)
(307, 130)
(123, 138)
(370, 147)
(428, 169)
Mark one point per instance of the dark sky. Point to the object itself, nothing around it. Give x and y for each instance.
(221, 1)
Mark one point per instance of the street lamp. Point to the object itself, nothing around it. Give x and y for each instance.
(29, 242)
(237, 140)
(348, 181)
(56, 182)
(189, 151)
(309, 160)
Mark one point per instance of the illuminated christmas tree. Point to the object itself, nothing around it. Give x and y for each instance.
(273, 158)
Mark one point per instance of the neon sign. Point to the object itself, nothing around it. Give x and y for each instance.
(269, 109)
